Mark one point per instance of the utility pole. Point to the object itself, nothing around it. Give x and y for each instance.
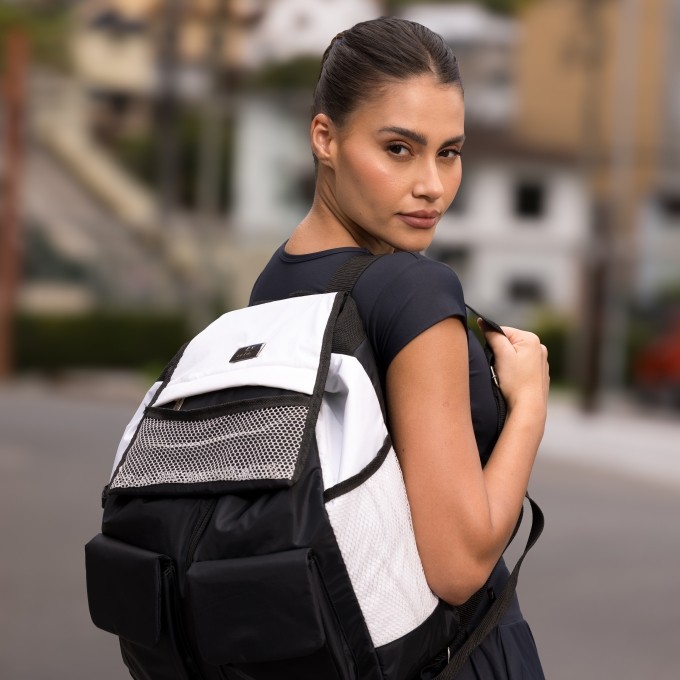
(622, 194)
(610, 172)
(13, 97)
(167, 110)
(213, 120)
(596, 258)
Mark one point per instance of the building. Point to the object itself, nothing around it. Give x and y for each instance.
(485, 45)
(516, 230)
(601, 80)
(292, 28)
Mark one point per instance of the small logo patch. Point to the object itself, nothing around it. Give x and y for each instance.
(245, 353)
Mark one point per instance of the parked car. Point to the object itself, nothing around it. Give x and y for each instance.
(656, 369)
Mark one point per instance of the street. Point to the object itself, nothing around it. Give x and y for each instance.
(600, 589)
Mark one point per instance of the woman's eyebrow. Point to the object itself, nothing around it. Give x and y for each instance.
(459, 139)
(405, 132)
(418, 137)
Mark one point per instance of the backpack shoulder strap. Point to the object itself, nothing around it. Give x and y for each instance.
(500, 605)
(344, 280)
(349, 272)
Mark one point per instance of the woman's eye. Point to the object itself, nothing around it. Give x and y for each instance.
(450, 153)
(398, 149)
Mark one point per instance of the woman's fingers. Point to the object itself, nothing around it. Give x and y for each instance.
(520, 362)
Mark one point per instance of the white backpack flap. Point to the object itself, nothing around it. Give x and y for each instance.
(249, 443)
(286, 337)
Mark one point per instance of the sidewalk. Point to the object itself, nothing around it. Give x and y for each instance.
(621, 437)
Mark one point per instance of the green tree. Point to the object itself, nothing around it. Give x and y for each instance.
(46, 27)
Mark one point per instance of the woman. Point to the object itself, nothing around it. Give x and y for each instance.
(387, 134)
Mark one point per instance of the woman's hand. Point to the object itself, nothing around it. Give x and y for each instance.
(521, 364)
(463, 515)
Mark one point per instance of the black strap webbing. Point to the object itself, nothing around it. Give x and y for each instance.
(344, 280)
(500, 605)
(348, 273)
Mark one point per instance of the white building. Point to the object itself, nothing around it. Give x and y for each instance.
(291, 28)
(516, 231)
(658, 246)
(274, 173)
(484, 43)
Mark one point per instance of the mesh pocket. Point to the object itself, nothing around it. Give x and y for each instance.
(257, 444)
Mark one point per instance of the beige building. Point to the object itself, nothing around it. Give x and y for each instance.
(600, 79)
(597, 77)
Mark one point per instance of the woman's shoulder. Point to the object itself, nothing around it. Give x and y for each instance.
(413, 273)
(403, 294)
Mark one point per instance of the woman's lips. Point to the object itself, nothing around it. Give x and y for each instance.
(421, 219)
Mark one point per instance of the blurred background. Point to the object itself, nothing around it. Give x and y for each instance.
(154, 153)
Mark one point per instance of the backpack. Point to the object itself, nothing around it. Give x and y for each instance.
(256, 524)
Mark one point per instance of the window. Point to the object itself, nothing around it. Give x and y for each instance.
(671, 207)
(525, 290)
(530, 200)
(456, 258)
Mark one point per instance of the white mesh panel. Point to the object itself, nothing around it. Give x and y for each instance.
(257, 444)
(373, 528)
(131, 427)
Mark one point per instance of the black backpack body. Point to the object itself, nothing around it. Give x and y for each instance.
(256, 525)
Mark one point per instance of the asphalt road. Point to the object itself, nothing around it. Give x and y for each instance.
(600, 590)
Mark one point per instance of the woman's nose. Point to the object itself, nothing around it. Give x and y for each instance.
(428, 183)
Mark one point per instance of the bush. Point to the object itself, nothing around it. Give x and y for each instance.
(98, 340)
(555, 333)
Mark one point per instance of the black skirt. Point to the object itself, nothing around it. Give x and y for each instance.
(509, 651)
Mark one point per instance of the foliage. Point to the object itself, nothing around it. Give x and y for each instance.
(102, 339)
(42, 262)
(299, 73)
(138, 153)
(555, 332)
(46, 27)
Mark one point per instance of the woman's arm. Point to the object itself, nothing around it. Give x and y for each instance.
(464, 515)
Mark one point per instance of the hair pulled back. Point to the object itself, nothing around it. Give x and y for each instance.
(363, 59)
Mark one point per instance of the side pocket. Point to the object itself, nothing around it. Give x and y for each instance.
(132, 593)
(124, 589)
(267, 617)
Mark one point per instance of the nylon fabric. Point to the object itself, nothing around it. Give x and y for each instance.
(205, 365)
(350, 429)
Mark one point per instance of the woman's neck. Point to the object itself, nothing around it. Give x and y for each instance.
(317, 232)
(323, 229)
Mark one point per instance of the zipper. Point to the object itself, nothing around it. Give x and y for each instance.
(178, 637)
(199, 530)
(501, 405)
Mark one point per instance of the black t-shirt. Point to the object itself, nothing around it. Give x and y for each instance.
(398, 297)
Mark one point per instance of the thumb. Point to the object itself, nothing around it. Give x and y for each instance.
(495, 337)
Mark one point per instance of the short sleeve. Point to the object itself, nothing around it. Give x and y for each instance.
(402, 295)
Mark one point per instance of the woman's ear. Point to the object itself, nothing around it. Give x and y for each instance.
(322, 135)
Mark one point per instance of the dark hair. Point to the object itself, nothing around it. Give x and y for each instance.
(361, 60)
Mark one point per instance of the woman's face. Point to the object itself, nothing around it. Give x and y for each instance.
(396, 164)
